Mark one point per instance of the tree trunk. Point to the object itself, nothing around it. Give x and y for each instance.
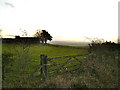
(45, 41)
(42, 40)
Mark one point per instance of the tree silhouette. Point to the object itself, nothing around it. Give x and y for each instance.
(43, 36)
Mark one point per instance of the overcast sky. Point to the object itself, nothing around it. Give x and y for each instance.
(63, 19)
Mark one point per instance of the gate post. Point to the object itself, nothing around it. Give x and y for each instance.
(43, 63)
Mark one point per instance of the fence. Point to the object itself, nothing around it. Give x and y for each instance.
(53, 65)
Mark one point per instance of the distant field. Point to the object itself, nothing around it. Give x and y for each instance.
(70, 43)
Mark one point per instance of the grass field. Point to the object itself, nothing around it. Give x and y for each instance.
(17, 55)
(99, 69)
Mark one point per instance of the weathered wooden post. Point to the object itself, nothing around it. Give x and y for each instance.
(43, 63)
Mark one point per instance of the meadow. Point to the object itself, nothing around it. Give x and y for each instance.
(98, 70)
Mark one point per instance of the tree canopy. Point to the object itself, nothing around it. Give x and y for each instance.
(43, 35)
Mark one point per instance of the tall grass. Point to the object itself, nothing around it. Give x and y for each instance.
(98, 71)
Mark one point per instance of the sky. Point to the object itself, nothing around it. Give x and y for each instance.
(72, 20)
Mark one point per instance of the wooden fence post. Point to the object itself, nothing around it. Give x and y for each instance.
(43, 63)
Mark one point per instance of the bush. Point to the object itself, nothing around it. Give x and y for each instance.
(102, 63)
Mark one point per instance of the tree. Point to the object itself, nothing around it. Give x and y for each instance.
(43, 36)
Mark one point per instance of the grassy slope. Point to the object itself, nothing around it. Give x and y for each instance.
(50, 51)
(21, 55)
(36, 50)
(55, 51)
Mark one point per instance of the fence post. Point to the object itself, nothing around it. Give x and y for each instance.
(43, 63)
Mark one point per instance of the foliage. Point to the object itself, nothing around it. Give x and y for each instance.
(110, 46)
(103, 63)
(37, 34)
(43, 36)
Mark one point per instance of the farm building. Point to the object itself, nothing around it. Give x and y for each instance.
(21, 39)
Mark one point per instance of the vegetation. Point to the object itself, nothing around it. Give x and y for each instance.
(43, 36)
(98, 70)
(23, 59)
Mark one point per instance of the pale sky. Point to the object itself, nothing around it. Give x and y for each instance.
(63, 19)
